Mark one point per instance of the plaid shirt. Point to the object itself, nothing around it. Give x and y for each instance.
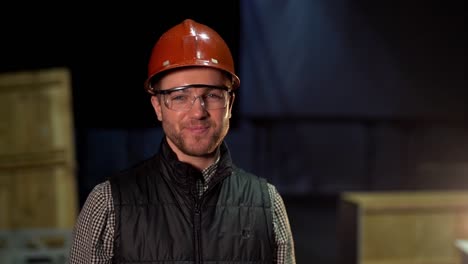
(93, 235)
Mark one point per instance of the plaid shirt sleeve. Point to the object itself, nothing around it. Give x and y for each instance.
(93, 234)
(283, 236)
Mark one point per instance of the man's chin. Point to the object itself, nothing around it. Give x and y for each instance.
(199, 148)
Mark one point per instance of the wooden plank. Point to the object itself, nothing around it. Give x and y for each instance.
(400, 200)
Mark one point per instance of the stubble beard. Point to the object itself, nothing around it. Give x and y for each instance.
(198, 146)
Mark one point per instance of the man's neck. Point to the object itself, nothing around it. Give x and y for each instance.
(199, 162)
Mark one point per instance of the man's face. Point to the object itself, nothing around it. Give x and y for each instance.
(196, 132)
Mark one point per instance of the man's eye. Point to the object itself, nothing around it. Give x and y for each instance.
(179, 98)
(213, 96)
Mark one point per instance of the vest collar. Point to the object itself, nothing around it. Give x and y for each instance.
(185, 175)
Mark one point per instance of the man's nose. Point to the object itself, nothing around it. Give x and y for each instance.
(198, 107)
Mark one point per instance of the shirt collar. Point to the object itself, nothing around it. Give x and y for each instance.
(210, 170)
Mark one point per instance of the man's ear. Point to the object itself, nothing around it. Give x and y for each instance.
(156, 106)
(231, 103)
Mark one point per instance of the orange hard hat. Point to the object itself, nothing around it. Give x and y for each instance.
(190, 44)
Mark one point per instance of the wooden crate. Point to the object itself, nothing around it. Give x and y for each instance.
(37, 154)
(418, 227)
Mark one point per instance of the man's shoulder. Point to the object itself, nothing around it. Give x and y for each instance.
(240, 172)
(140, 168)
(252, 176)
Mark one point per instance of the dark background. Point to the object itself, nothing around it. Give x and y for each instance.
(107, 49)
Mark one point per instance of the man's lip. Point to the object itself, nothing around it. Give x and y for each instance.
(197, 128)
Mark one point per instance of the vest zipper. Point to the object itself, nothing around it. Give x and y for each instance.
(197, 224)
(197, 231)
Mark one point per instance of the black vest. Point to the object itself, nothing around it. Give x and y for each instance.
(161, 219)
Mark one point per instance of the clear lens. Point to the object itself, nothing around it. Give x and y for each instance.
(183, 99)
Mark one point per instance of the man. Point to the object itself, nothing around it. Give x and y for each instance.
(188, 203)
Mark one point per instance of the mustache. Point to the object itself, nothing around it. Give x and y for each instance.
(198, 123)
